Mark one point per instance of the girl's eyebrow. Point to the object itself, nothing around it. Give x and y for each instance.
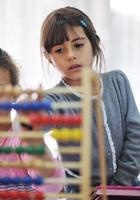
(79, 38)
(74, 40)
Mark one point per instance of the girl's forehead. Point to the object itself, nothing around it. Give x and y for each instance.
(75, 31)
(74, 34)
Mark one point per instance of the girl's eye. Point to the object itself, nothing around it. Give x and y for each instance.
(60, 50)
(79, 45)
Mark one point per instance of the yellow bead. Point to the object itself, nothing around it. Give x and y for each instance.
(56, 134)
(77, 135)
(65, 135)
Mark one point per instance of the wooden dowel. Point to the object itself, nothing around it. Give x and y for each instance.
(41, 164)
(18, 91)
(86, 126)
(101, 140)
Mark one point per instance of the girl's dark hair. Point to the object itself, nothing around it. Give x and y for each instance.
(7, 63)
(54, 29)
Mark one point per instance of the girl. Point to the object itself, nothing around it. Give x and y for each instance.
(9, 75)
(69, 41)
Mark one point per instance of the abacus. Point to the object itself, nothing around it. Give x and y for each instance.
(79, 133)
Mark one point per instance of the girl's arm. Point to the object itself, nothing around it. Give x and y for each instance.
(128, 165)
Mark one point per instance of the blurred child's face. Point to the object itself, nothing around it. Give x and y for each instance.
(4, 80)
(4, 77)
(71, 56)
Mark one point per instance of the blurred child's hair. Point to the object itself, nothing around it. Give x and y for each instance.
(7, 63)
(54, 30)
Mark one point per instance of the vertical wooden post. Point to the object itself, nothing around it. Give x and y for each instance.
(101, 138)
(86, 130)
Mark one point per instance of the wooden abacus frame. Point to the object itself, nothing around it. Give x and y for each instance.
(88, 79)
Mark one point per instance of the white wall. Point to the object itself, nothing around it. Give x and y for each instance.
(20, 22)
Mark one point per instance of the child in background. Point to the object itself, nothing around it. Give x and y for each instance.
(69, 42)
(9, 75)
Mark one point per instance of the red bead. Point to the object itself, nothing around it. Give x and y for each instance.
(33, 118)
(46, 119)
(77, 120)
(67, 120)
(39, 196)
(56, 120)
(13, 194)
(24, 195)
(4, 194)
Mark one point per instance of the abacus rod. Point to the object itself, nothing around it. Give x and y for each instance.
(64, 195)
(73, 181)
(23, 134)
(65, 105)
(70, 150)
(18, 91)
(40, 164)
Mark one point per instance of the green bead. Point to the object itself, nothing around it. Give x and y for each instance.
(20, 150)
(7, 149)
(30, 150)
(40, 150)
(1, 149)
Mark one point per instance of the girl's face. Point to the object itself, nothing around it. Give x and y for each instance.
(4, 77)
(72, 55)
(4, 80)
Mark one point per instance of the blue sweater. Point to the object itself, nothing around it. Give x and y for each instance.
(122, 129)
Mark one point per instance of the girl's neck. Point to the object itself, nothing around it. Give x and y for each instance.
(72, 82)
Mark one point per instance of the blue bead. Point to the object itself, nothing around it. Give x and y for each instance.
(5, 180)
(16, 180)
(36, 106)
(25, 106)
(38, 180)
(0, 180)
(47, 105)
(16, 106)
(27, 180)
(6, 105)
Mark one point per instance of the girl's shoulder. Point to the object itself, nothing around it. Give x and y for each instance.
(115, 74)
(55, 94)
(115, 77)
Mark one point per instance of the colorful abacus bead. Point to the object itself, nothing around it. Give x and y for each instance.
(77, 135)
(56, 134)
(65, 135)
(13, 195)
(3, 194)
(56, 120)
(77, 120)
(7, 149)
(40, 150)
(5, 180)
(15, 180)
(35, 119)
(19, 149)
(38, 180)
(39, 196)
(24, 195)
(27, 180)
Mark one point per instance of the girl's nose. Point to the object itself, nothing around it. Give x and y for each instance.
(71, 55)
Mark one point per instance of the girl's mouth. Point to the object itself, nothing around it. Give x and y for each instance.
(75, 67)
